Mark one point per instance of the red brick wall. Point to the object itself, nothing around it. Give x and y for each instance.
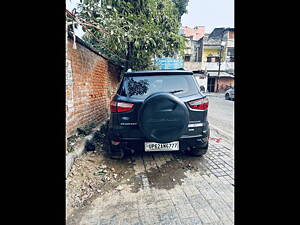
(91, 81)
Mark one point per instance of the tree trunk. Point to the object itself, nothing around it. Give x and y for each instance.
(129, 55)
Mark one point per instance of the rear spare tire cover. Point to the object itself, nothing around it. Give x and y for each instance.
(163, 117)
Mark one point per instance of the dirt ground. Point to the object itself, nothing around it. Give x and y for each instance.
(91, 175)
(94, 174)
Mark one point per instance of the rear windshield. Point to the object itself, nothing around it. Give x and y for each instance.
(142, 86)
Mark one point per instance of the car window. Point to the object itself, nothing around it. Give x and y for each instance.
(143, 86)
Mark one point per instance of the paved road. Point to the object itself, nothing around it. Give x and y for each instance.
(173, 188)
(221, 114)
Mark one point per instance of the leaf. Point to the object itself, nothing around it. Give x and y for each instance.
(136, 44)
(152, 31)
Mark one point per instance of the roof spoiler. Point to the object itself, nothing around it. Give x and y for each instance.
(159, 72)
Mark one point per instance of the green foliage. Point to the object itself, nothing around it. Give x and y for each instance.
(181, 6)
(138, 29)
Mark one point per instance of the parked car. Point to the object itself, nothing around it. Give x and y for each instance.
(158, 111)
(229, 94)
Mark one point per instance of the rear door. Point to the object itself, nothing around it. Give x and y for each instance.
(135, 89)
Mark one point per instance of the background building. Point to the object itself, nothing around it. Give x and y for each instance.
(194, 47)
(196, 33)
(193, 53)
(212, 53)
(218, 59)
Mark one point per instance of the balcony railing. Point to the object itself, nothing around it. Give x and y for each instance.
(225, 66)
(215, 66)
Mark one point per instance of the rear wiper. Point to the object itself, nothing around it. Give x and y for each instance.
(172, 92)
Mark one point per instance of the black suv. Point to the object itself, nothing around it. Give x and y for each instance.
(161, 110)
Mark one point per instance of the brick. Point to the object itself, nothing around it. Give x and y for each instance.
(94, 81)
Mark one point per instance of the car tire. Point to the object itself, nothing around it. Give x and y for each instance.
(115, 153)
(199, 151)
(120, 154)
(227, 97)
(111, 151)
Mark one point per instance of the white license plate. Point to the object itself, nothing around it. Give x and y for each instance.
(153, 146)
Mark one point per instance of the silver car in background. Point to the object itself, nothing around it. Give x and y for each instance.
(229, 94)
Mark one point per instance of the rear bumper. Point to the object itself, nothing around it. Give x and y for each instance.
(133, 133)
(185, 141)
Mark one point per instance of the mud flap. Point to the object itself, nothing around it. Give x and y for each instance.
(119, 154)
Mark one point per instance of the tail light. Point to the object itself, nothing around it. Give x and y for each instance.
(115, 142)
(120, 106)
(199, 104)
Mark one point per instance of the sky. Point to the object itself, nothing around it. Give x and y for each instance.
(209, 13)
(70, 5)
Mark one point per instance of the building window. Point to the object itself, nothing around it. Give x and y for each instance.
(213, 59)
(198, 54)
(230, 52)
(187, 58)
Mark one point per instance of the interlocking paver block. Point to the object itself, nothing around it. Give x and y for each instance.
(221, 209)
(149, 216)
(168, 215)
(199, 194)
(191, 221)
(185, 211)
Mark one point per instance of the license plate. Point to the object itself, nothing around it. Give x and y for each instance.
(153, 146)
